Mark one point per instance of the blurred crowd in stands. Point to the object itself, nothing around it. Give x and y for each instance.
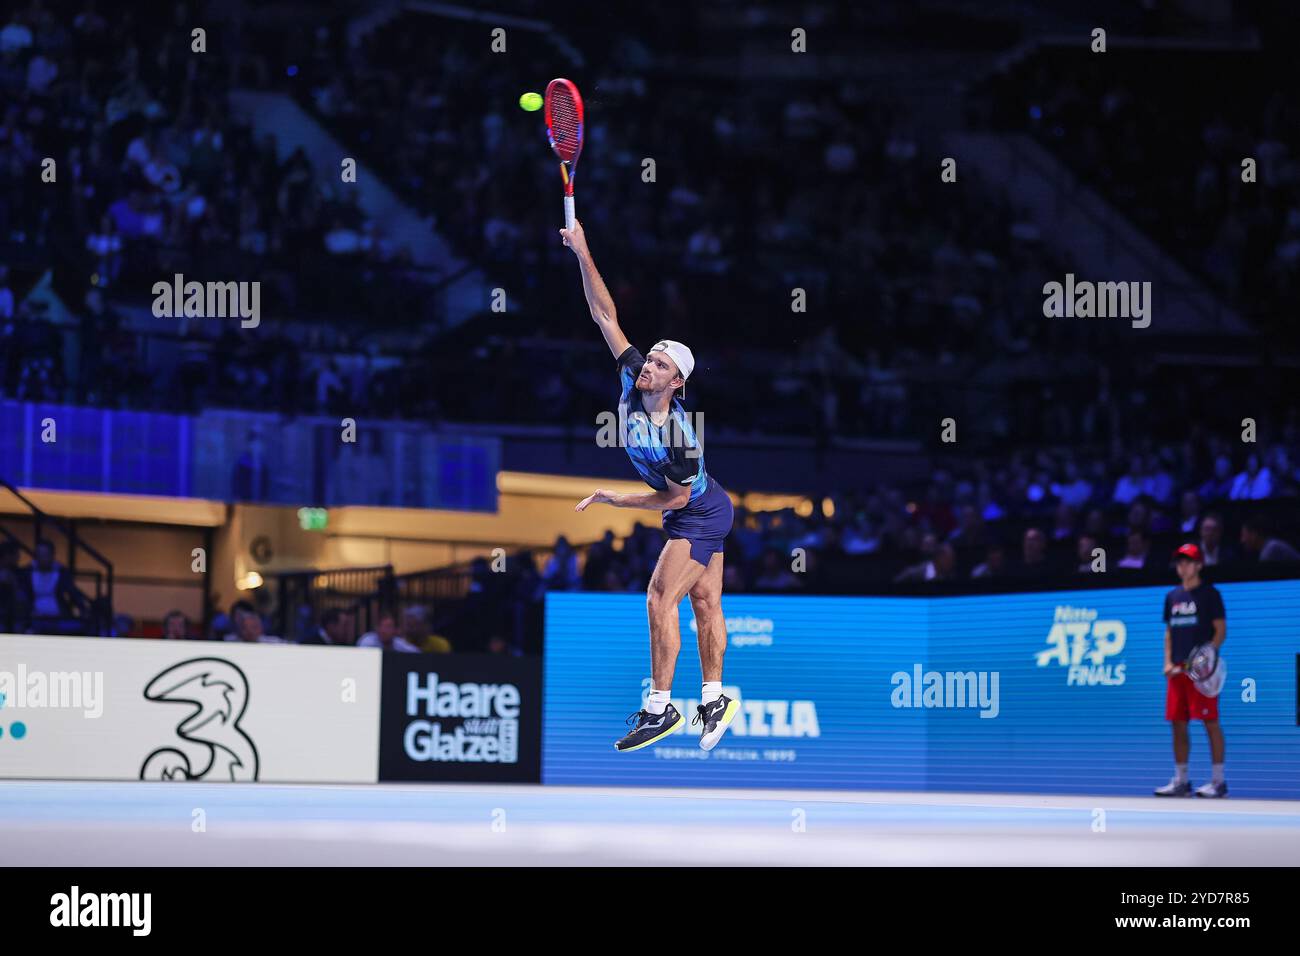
(1115, 127)
(408, 630)
(921, 299)
(155, 174)
(1049, 518)
(1037, 515)
(916, 301)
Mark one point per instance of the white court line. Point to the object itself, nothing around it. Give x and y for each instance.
(266, 843)
(541, 795)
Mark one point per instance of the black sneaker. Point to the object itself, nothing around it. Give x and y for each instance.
(650, 728)
(715, 717)
(1175, 789)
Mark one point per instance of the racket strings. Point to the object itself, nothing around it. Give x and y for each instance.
(564, 125)
(1202, 665)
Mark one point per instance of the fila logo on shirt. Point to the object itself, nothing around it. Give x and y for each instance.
(1183, 607)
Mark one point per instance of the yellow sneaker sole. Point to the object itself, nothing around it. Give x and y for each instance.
(655, 739)
(728, 716)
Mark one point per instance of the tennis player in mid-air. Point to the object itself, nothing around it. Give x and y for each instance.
(697, 514)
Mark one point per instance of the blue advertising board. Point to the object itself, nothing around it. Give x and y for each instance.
(1054, 692)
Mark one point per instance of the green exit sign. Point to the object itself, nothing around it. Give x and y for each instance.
(313, 519)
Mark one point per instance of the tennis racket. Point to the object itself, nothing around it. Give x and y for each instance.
(1206, 669)
(564, 129)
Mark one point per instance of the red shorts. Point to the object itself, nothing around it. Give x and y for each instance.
(1184, 702)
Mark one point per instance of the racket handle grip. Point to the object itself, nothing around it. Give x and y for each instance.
(568, 212)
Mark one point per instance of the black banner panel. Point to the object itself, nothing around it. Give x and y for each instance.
(461, 717)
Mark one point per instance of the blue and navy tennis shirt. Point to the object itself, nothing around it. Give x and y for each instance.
(658, 452)
(1191, 616)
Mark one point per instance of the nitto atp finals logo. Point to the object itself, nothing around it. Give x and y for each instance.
(1089, 647)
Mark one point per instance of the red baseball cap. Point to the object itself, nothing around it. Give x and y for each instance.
(1189, 550)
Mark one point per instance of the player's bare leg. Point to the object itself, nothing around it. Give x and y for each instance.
(1180, 786)
(674, 575)
(1214, 730)
(706, 599)
(1216, 787)
(1182, 742)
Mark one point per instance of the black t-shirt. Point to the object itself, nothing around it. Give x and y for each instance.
(1191, 616)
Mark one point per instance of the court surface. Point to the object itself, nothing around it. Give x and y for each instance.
(122, 824)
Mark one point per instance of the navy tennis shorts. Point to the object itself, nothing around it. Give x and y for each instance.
(704, 522)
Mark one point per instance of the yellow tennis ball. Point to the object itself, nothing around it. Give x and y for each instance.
(531, 102)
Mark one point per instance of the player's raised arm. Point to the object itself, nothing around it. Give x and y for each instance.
(598, 298)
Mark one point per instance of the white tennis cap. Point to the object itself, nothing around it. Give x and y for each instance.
(679, 353)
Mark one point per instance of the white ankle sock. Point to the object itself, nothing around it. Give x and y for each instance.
(657, 702)
(1216, 772)
(1180, 773)
(712, 690)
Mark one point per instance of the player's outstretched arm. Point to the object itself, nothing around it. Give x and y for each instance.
(598, 298)
(672, 497)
